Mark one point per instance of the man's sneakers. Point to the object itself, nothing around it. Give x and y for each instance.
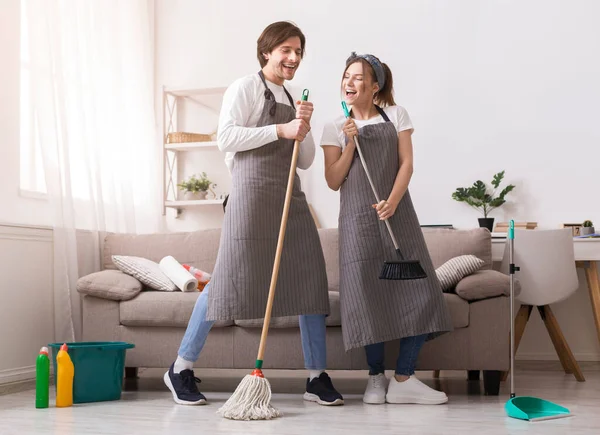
(321, 390)
(413, 391)
(184, 388)
(376, 388)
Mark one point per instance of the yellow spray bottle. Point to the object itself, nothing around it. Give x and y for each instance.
(64, 378)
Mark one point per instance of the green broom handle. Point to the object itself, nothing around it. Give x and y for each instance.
(511, 240)
(364, 165)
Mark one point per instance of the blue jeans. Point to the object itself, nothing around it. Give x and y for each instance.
(312, 331)
(407, 357)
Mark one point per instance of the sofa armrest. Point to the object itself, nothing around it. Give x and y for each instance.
(101, 319)
(109, 284)
(485, 284)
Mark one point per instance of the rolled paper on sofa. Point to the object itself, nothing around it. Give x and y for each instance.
(202, 277)
(184, 280)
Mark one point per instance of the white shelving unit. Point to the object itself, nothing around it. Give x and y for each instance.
(173, 152)
(190, 146)
(194, 203)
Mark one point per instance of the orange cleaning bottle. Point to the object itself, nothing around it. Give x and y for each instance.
(64, 378)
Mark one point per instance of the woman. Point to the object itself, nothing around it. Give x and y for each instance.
(374, 310)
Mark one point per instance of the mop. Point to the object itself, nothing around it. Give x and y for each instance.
(392, 269)
(524, 407)
(252, 398)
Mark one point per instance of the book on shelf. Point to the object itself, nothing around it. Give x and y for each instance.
(502, 227)
(588, 236)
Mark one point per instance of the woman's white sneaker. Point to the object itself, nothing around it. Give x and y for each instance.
(375, 392)
(413, 391)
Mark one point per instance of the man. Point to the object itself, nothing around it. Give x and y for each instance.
(258, 125)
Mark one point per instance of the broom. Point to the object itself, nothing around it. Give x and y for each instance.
(252, 398)
(392, 269)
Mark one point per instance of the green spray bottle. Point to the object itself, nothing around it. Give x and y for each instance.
(42, 379)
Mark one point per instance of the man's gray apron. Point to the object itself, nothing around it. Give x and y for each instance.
(242, 275)
(376, 310)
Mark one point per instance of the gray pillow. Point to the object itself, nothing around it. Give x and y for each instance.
(146, 271)
(455, 269)
(485, 284)
(109, 284)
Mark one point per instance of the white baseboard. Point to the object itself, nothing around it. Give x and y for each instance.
(16, 375)
(551, 356)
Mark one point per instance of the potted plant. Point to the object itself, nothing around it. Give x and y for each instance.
(587, 228)
(196, 187)
(478, 197)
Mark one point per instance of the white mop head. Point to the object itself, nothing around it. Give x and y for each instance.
(250, 401)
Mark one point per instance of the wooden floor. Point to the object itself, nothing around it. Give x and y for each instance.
(146, 407)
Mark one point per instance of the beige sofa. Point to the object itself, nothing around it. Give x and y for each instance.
(155, 321)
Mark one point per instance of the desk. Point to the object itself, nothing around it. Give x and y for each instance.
(587, 256)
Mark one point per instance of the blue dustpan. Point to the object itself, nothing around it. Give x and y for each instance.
(525, 407)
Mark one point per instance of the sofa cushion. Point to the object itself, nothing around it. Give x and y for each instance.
(334, 318)
(152, 308)
(459, 312)
(197, 248)
(109, 284)
(146, 271)
(485, 284)
(455, 269)
(444, 244)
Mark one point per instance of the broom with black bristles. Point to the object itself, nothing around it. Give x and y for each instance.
(393, 269)
(252, 398)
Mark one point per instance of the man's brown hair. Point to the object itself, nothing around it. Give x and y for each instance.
(274, 35)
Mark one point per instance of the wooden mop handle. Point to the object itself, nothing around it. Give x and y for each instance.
(284, 218)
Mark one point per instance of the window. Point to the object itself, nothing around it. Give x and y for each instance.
(32, 177)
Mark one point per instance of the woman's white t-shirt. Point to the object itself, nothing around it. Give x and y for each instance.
(333, 134)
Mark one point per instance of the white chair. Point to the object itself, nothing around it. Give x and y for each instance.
(547, 275)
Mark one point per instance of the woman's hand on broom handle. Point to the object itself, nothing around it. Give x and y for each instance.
(349, 128)
(385, 209)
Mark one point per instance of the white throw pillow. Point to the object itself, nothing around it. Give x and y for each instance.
(146, 271)
(455, 269)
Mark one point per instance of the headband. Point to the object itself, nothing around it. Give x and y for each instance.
(375, 64)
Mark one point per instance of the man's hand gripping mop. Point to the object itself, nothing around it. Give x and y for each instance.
(252, 398)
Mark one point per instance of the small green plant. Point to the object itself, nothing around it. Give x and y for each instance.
(478, 197)
(588, 224)
(196, 184)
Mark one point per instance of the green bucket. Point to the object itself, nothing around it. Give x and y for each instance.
(99, 369)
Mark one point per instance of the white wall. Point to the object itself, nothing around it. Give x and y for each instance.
(489, 85)
(26, 308)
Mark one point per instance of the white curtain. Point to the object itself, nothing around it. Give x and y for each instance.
(92, 105)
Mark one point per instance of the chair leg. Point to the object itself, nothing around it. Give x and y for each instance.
(564, 361)
(563, 350)
(520, 323)
(436, 374)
